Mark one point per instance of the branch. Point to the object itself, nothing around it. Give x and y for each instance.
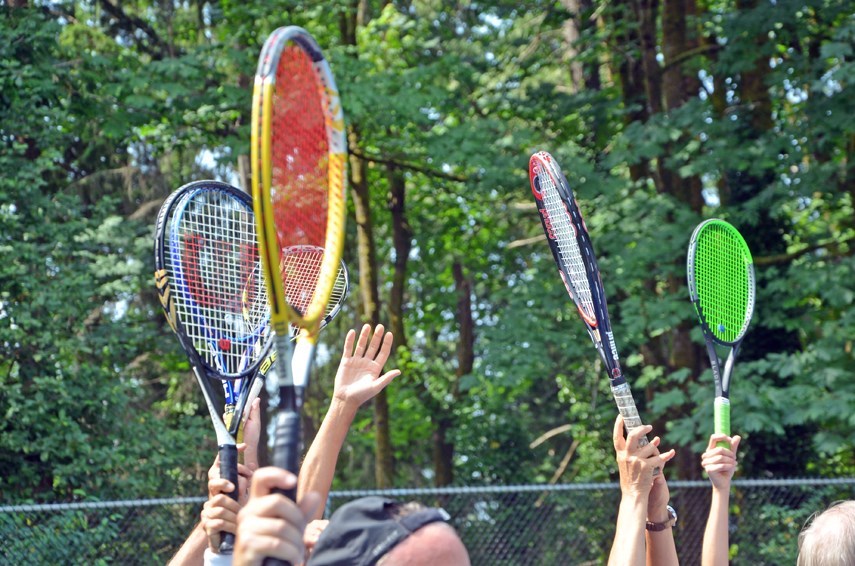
(130, 23)
(410, 167)
(562, 467)
(688, 54)
(833, 247)
(549, 434)
(526, 241)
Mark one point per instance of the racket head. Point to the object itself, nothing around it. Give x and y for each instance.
(557, 206)
(720, 276)
(299, 156)
(302, 265)
(207, 258)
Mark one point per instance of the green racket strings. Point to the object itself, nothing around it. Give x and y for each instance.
(723, 276)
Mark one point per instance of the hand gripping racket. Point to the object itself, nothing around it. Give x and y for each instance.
(720, 273)
(205, 254)
(298, 154)
(577, 265)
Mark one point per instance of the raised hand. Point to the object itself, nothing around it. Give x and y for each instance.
(720, 463)
(358, 378)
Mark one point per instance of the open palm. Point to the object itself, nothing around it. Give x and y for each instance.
(358, 378)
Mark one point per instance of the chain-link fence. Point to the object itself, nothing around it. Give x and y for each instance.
(569, 524)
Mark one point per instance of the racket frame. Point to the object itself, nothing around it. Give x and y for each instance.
(227, 425)
(721, 376)
(595, 316)
(293, 377)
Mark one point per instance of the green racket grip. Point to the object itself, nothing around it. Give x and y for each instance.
(722, 419)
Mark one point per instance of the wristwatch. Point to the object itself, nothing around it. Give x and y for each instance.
(670, 523)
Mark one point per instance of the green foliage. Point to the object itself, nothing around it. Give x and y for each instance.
(102, 119)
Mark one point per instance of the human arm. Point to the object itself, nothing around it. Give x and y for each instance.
(358, 379)
(636, 465)
(192, 551)
(220, 510)
(270, 524)
(661, 550)
(720, 465)
(218, 514)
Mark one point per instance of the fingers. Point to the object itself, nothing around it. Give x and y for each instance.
(374, 345)
(362, 341)
(715, 439)
(713, 448)
(267, 479)
(381, 382)
(214, 470)
(271, 524)
(666, 457)
(636, 434)
(252, 433)
(221, 506)
(386, 348)
(348, 344)
(218, 485)
(379, 346)
(617, 435)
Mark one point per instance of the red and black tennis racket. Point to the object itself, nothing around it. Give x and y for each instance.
(577, 265)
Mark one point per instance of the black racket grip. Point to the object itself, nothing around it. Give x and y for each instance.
(229, 471)
(286, 455)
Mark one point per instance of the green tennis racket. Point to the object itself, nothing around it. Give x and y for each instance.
(720, 273)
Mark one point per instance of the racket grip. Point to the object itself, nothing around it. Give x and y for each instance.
(631, 419)
(229, 471)
(286, 451)
(722, 419)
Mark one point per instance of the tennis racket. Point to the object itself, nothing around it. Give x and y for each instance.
(298, 154)
(291, 260)
(720, 273)
(205, 254)
(577, 265)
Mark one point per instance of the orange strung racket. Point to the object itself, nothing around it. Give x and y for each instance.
(299, 155)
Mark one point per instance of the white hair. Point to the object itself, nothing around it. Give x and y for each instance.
(830, 538)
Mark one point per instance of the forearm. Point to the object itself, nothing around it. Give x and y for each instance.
(661, 550)
(628, 544)
(192, 552)
(716, 538)
(318, 469)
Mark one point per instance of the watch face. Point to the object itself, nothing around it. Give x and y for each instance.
(673, 515)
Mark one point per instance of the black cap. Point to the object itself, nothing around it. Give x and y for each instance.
(364, 530)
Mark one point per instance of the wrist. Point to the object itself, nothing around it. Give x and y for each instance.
(659, 515)
(655, 525)
(342, 409)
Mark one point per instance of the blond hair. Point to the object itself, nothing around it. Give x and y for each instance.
(829, 540)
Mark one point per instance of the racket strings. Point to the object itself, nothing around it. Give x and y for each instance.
(300, 267)
(565, 237)
(216, 265)
(724, 289)
(299, 151)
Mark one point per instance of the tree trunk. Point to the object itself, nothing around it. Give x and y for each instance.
(443, 449)
(402, 238)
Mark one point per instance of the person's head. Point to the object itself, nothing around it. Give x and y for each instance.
(829, 540)
(377, 531)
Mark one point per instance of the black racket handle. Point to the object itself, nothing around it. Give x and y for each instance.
(286, 455)
(229, 471)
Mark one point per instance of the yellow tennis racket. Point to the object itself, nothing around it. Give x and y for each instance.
(299, 155)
